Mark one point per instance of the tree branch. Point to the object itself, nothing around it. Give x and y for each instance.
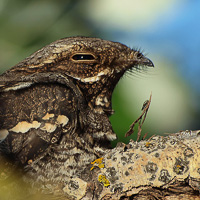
(159, 168)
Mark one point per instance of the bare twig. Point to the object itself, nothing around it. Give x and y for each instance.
(140, 120)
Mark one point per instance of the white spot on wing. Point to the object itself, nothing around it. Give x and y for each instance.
(62, 120)
(3, 134)
(49, 127)
(23, 127)
(48, 116)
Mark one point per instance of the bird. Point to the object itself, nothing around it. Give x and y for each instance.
(55, 106)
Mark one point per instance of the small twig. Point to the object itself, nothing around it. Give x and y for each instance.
(140, 120)
(145, 135)
(151, 137)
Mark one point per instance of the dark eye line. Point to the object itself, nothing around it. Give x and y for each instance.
(83, 57)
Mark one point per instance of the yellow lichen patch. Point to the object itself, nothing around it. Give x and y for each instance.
(97, 163)
(148, 144)
(179, 169)
(104, 180)
(30, 162)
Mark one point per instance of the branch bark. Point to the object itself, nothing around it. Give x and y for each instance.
(159, 168)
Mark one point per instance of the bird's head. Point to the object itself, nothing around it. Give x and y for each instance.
(96, 66)
(93, 64)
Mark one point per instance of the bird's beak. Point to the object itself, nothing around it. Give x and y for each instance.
(146, 62)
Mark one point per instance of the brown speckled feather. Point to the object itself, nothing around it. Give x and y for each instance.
(55, 106)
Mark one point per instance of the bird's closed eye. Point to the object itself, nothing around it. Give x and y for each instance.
(139, 55)
(83, 57)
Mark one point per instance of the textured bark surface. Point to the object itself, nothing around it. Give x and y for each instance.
(160, 168)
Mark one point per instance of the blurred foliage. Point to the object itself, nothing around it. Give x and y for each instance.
(29, 25)
(120, 120)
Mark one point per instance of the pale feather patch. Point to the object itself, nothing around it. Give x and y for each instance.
(3, 134)
(98, 110)
(48, 127)
(98, 134)
(94, 78)
(109, 135)
(75, 150)
(60, 48)
(23, 127)
(91, 79)
(102, 101)
(18, 86)
(48, 116)
(105, 100)
(97, 77)
(33, 66)
(62, 120)
(50, 58)
(99, 102)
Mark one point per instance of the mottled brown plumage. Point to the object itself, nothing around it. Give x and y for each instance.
(55, 106)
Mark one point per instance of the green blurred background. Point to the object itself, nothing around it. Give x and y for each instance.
(167, 30)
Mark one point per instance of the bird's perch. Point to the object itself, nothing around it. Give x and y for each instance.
(160, 168)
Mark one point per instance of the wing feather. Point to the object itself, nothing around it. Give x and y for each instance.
(35, 117)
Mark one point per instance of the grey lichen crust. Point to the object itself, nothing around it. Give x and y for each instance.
(161, 162)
